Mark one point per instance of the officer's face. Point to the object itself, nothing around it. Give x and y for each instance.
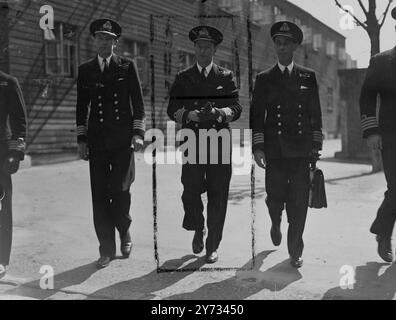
(204, 52)
(285, 48)
(105, 44)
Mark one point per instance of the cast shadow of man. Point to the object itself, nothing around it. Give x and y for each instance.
(144, 288)
(246, 283)
(61, 281)
(368, 285)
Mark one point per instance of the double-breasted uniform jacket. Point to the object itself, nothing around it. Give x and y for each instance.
(190, 91)
(286, 115)
(12, 118)
(110, 108)
(380, 80)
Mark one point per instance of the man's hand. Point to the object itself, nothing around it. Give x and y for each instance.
(315, 156)
(209, 112)
(374, 142)
(194, 116)
(137, 143)
(11, 165)
(259, 157)
(83, 151)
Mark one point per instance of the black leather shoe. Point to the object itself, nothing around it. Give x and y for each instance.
(103, 262)
(126, 245)
(276, 235)
(296, 262)
(198, 242)
(385, 248)
(212, 257)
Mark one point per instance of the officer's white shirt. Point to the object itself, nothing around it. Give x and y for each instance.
(289, 67)
(207, 69)
(101, 62)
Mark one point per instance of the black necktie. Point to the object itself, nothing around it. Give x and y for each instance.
(106, 66)
(203, 73)
(286, 73)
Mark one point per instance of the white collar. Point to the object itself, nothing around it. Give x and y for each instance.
(100, 59)
(289, 67)
(207, 69)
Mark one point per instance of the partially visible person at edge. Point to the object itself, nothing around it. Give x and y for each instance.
(13, 125)
(380, 134)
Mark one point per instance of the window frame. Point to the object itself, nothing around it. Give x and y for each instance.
(62, 55)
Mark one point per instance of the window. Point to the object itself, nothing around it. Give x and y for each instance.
(230, 6)
(307, 31)
(61, 50)
(317, 42)
(331, 48)
(330, 100)
(342, 54)
(185, 59)
(138, 51)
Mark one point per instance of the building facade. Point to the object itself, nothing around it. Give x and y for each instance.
(155, 35)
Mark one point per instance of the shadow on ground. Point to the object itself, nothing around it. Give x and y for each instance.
(246, 283)
(61, 281)
(369, 285)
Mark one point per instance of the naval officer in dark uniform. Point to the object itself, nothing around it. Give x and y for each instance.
(13, 125)
(287, 136)
(380, 133)
(109, 134)
(205, 97)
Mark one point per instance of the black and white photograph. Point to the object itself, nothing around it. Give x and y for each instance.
(197, 155)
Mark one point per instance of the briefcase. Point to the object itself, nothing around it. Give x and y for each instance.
(317, 192)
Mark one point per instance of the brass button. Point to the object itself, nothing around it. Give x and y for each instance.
(279, 107)
(279, 115)
(195, 103)
(280, 133)
(115, 102)
(101, 120)
(116, 110)
(100, 112)
(118, 118)
(300, 132)
(299, 124)
(115, 95)
(100, 104)
(100, 97)
(280, 124)
(196, 125)
(300, 107)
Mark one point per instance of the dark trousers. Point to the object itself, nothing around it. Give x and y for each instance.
(215, 180)
(386, 216)
(5, 218)
(287, 185)
(112, 174)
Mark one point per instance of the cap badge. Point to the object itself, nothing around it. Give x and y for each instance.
(107, 26)
(285, 27)
(203, 32)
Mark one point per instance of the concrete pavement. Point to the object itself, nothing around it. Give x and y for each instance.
(53, 230)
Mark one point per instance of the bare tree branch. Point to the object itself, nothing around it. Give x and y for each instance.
(385, 13)
(360, 23)
(363, 7)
